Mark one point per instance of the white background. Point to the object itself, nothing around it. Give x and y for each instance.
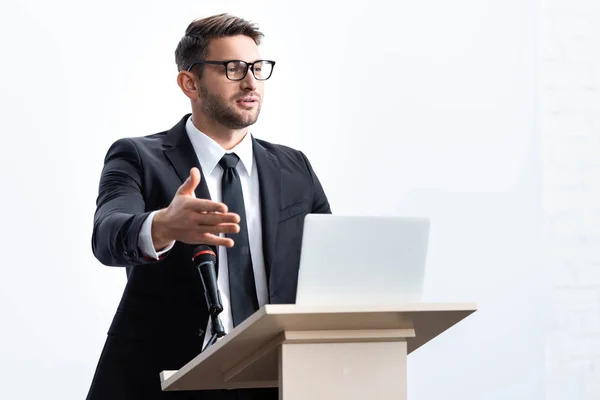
(431, 108)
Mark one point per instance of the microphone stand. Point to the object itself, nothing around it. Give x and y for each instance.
(217, 327)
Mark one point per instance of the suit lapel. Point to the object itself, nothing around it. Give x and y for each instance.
(269, 176)
(180, 152)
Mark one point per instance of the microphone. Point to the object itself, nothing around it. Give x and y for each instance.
(205, 260)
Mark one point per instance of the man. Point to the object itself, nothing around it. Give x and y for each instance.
(204, 181)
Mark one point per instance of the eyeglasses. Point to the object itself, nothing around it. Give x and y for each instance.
(236, 70)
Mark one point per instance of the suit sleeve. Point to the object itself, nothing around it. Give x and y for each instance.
(320, 202)
(120, 208)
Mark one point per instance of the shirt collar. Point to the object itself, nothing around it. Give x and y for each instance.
(209, 152)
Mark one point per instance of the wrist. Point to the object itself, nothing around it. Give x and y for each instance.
(160, 236)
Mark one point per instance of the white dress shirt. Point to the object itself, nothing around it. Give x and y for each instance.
(209, 154)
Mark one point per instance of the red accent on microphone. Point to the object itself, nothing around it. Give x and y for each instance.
(204, 252)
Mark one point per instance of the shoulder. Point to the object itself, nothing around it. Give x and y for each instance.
(136, 146)
(285, 154)
(297, 175)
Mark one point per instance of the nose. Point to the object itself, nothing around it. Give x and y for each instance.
(249, 81)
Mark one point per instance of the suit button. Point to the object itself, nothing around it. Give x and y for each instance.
(199, 331)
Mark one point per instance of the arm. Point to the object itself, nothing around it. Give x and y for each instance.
(120, 209)
(320, 202)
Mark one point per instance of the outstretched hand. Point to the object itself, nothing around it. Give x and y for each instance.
(193, 221)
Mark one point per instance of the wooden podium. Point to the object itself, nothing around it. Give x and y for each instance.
(320, 353)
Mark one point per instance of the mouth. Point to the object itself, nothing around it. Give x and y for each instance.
(248, 101)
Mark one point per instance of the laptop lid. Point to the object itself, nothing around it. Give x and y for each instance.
(362, 260)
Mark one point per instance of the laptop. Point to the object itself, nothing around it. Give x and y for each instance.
(362, 260)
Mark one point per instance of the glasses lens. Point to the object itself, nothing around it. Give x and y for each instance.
(263, 69)
(235, 70)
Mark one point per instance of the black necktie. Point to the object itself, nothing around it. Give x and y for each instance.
(242, 288)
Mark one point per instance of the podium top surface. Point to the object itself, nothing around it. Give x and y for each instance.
(427, 319)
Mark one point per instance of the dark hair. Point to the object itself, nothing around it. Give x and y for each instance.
(194, 45)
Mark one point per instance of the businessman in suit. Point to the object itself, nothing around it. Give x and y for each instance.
(207, 180)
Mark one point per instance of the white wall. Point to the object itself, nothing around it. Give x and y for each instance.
(418, 108)
(569, 116)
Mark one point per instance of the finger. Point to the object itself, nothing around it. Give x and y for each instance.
(215, 240)
(204, 205)
(189, 186)
(217, 218)
(220, 228)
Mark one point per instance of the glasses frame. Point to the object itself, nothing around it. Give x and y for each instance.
(247, 67)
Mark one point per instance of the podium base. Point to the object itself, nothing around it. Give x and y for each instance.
(364, 365)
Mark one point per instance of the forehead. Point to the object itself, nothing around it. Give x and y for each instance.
(233, 48)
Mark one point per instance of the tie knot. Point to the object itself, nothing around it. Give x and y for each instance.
(229, 161)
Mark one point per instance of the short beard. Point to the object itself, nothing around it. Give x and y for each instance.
(217, 109)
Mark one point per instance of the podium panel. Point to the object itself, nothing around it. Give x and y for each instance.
(320, 352)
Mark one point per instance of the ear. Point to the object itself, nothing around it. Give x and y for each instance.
(188, 84)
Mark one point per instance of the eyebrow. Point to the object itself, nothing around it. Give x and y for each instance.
(236, 58)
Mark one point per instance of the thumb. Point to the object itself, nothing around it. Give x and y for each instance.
(190, 184)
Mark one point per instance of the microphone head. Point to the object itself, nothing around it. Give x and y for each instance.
(202, 254)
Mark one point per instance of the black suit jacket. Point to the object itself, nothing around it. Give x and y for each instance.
(160, 321)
